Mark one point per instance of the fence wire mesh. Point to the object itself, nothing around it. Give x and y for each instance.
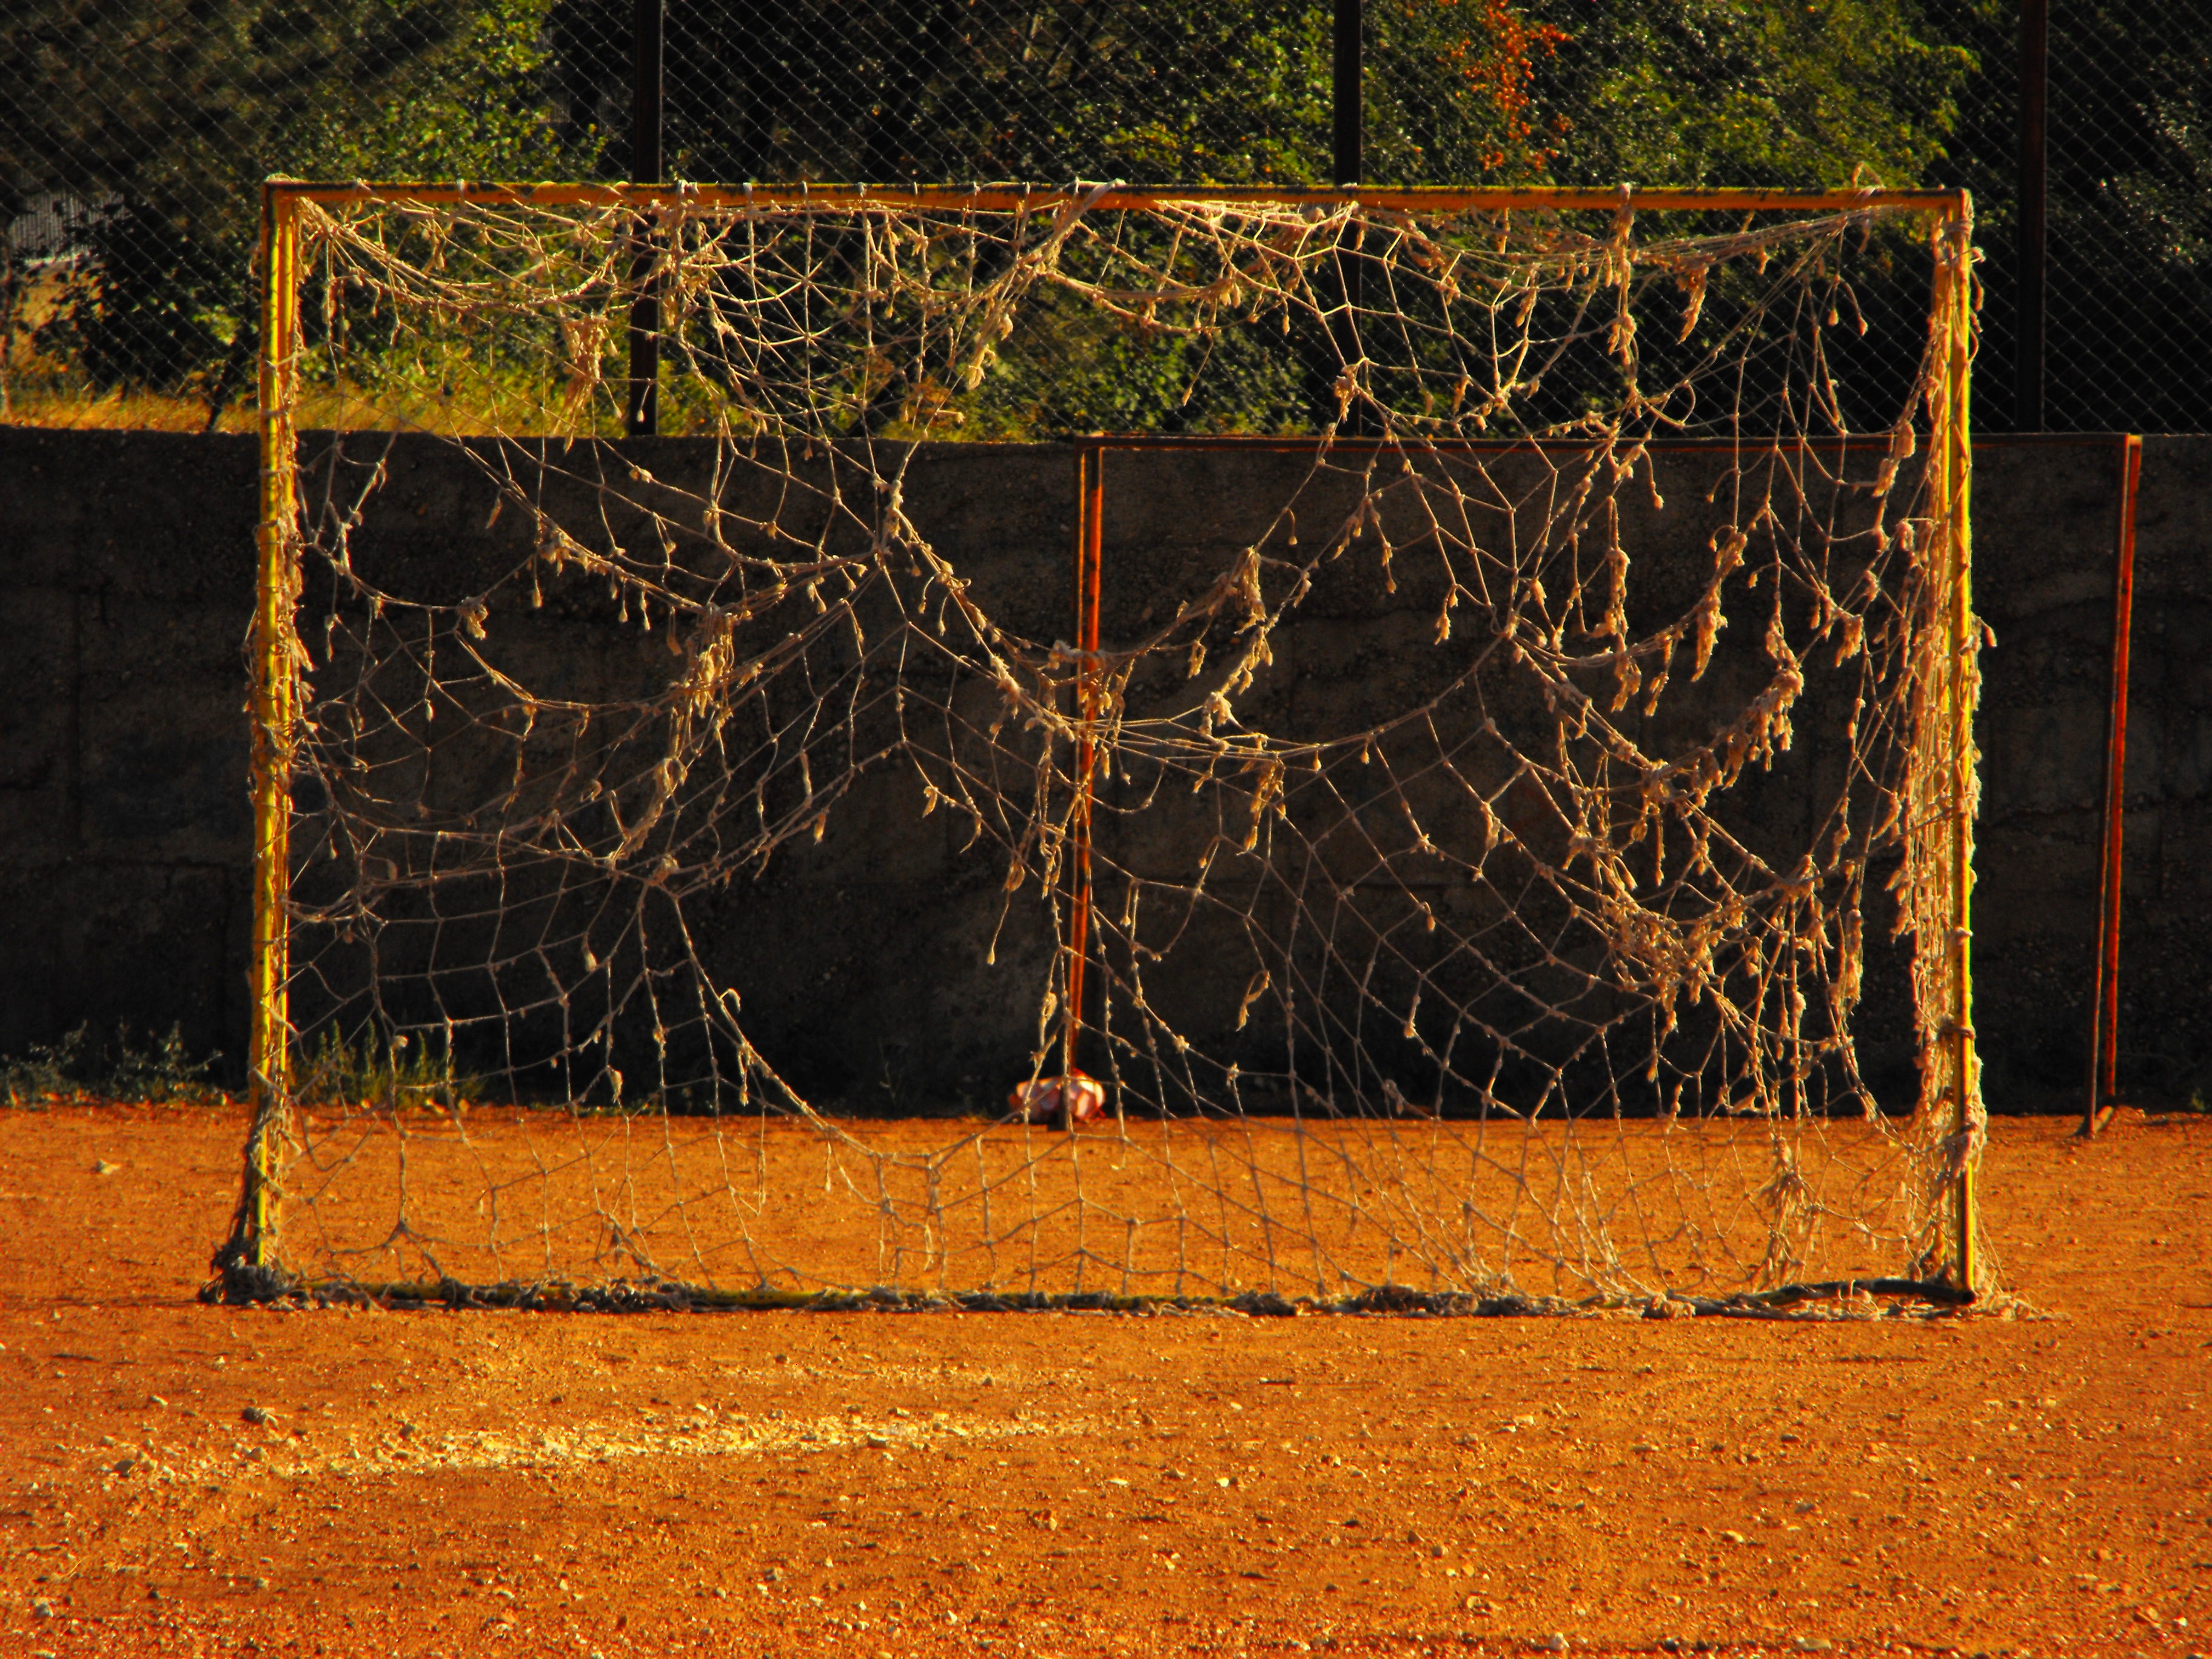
(133, 134)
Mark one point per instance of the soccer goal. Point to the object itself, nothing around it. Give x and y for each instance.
(1377, 748)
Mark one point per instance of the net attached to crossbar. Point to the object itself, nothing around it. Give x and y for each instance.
(1455, 712)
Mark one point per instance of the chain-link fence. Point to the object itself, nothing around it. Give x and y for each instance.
(133, 132)
(2127, 270)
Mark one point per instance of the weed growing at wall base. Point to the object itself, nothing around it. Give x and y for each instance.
(88, 1065)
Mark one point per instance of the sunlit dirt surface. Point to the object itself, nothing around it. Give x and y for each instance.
(1001, 1484)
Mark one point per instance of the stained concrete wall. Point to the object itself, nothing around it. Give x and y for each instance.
(125, 587)
(125, 578)
(2045, 533)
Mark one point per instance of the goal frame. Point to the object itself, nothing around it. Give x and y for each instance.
(276, 655)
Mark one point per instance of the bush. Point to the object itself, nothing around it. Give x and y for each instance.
(87, 1066)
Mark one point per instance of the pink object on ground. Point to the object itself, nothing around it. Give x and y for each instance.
(1040, 1101)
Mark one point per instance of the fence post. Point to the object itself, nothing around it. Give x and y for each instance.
(2033, 226)
(647, 166)
(1347, 90)
(1347, 164)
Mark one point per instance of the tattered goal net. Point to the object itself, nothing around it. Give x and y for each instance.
(1399, 750)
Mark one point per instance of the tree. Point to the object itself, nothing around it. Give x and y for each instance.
(159, 118)
(1740, 92)
(1156, 91)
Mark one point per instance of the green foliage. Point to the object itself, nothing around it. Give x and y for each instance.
(87, 1065)
(1224, 91)
(1232, 93)
(153, 305)
(1068, 370)
(2130, 250)
(2142, 202)
(1664, 92)
(397, 1070)
(46, 1073)
(1738, 92)
(183, 106)
(161, 117)
(163, 1072)
(473, 106)
(1454, 91)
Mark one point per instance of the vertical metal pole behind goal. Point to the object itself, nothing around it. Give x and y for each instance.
(647, 166)
(1090, 558)
(2105, 1011)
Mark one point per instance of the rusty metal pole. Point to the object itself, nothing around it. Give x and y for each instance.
(1090, 559)
(2104, 1016)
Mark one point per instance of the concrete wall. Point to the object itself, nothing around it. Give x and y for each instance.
(125, 580)
(2045, 516)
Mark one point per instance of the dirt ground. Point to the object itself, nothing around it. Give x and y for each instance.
(178, 1478)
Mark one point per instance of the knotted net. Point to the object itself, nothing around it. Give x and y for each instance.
(1455, 711)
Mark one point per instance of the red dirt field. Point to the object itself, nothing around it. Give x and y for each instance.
(1029, 1483)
